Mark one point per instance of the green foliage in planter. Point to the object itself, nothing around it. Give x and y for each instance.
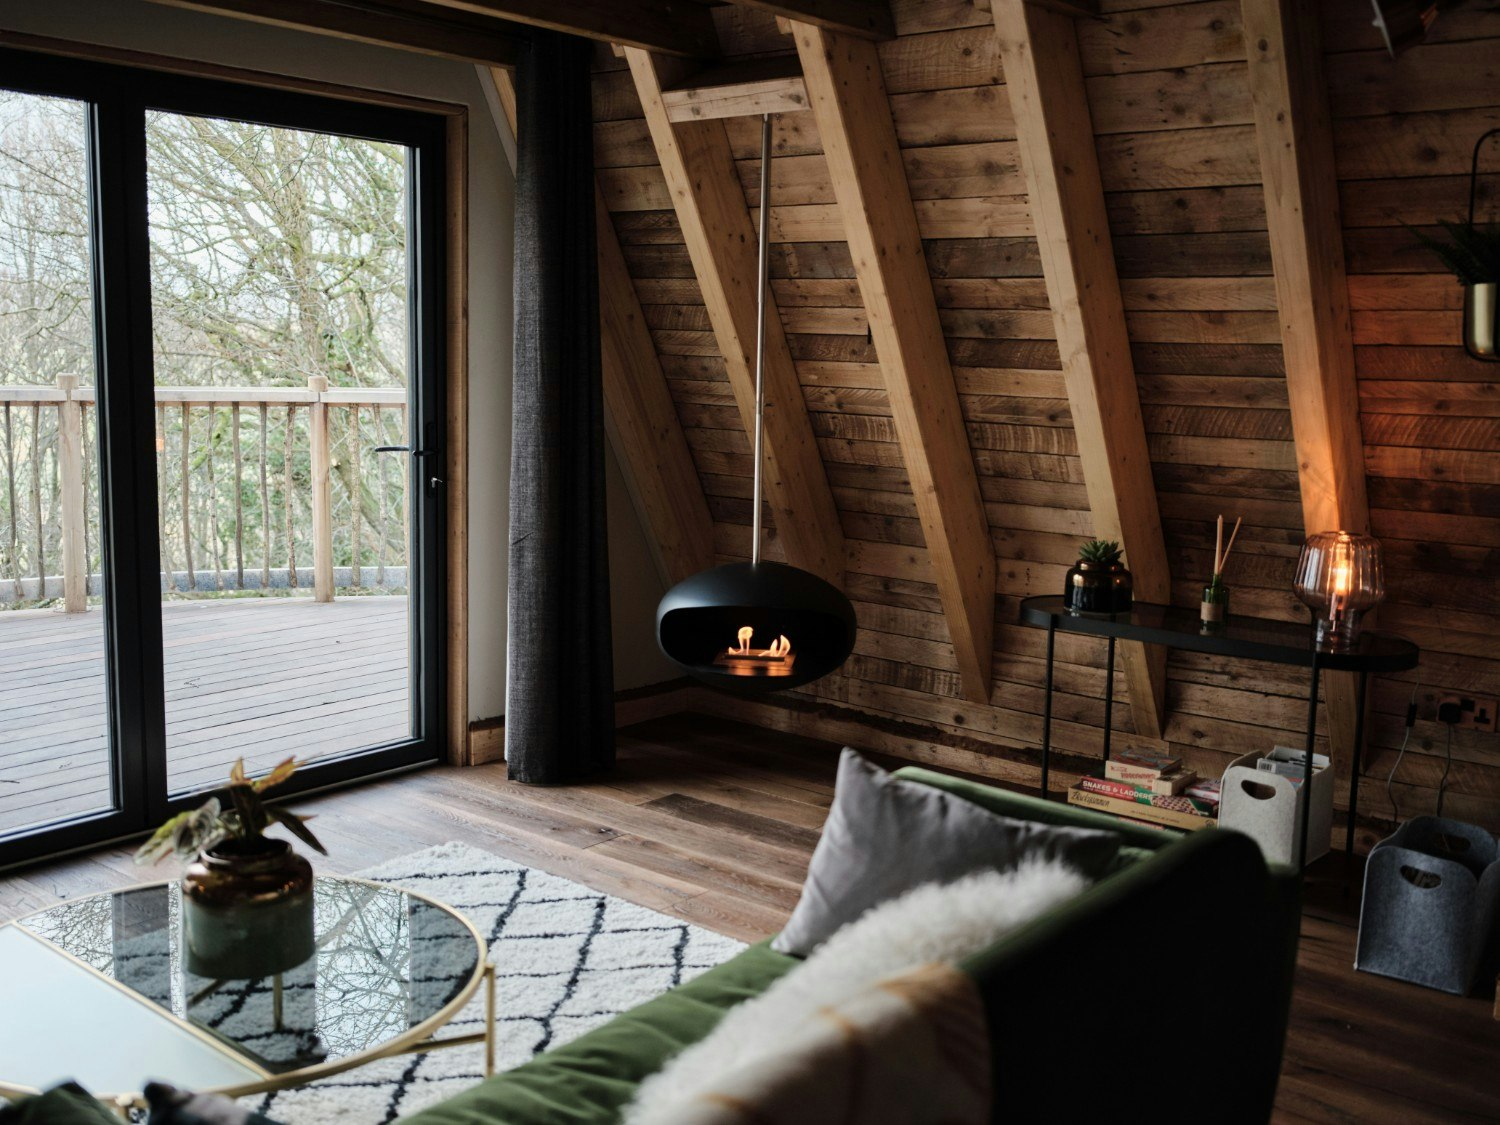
(1105, 552)
(197, 830)
(1473, 254)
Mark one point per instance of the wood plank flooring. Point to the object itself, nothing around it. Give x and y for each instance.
(262, 678)
(713, 821)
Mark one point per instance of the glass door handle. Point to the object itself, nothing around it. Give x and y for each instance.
(402, 449)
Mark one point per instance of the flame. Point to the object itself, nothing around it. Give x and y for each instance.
(1341, 580)
(780, 647)
(745, 660)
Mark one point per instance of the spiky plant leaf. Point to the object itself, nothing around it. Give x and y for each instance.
(1471, 253)
(296, 825)
(248, 809)
(1105, 551)
(280, 773)
(159, 846)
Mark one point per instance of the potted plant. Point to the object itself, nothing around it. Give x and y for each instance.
(1098, 582)
(1472, 253)
(247, 897)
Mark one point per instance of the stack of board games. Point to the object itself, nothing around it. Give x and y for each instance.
(1288, 763)
(1152, 789)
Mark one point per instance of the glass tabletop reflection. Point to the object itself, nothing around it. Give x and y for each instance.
(386, 961)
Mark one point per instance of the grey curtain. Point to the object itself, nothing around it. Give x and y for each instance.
(559, 718)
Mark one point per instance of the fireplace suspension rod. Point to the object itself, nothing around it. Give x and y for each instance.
(763, 271)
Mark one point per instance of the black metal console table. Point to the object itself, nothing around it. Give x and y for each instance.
(1245, 638)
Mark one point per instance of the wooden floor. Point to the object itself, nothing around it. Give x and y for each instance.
(714, 822)
(262, 678)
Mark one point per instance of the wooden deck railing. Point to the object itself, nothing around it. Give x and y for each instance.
(201, 432)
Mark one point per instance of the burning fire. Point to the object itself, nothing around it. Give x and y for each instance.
(744, 660)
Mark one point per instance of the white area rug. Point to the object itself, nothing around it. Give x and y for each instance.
(568, 960)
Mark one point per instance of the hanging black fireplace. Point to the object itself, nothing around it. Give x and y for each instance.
(757, 626)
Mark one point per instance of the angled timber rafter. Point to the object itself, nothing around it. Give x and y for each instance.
(700, 172)
(868, 19)
(659, 469)
(740, 89)
(1044, 77)
(848, 98)
(674, 28)
(1295, 139)
(663, 478)
(406, 24)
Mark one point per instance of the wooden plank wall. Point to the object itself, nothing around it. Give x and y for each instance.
(1404, 132)
(1177, 151)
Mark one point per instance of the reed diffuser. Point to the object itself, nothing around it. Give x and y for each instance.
(1214, 611)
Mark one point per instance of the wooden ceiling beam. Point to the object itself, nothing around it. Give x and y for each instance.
(868, 19)
(410, 26)
(744, 88)
(1044, 78)
(1294, 135)
(659, 469)
(848, 98)
(705, 187)
(671, 27)
(1083, 9)
(1295, 139)
(663, 478)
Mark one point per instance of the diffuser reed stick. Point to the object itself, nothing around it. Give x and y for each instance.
(1222, 557)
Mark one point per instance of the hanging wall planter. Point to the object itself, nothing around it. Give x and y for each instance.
(1481, 301)
(758, 626)
(1472, 252)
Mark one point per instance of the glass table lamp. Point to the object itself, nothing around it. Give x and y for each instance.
(1339, 577)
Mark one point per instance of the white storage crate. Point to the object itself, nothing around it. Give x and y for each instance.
(1267, 807)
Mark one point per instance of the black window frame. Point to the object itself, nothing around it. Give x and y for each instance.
(118, 98)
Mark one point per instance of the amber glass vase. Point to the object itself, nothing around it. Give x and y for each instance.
(248, 909)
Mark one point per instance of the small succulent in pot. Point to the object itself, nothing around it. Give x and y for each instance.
(1098, 582)
(247, 897)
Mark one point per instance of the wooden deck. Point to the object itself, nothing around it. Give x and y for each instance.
(714, 822)
(258, 678)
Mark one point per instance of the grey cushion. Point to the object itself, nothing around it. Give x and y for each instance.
(885, 836)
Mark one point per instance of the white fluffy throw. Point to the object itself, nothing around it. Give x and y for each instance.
(936, 922)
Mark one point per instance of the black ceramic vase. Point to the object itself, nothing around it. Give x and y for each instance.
(1094, 587)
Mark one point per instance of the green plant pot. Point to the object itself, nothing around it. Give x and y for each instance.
(248, 910)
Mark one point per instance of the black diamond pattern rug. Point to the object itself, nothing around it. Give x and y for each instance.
(567, 960)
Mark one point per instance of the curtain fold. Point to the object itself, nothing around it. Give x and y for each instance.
(559, 716)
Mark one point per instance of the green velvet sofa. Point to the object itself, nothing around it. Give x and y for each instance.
(1160, 994)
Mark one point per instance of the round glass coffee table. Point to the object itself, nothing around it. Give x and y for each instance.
(98, 990)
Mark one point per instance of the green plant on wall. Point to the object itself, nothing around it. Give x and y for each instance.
(1471, 253)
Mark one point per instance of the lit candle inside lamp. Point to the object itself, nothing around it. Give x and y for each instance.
(743, 660)
(1339, 597)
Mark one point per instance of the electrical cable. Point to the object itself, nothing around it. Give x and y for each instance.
(1447, 765)
(1411, 721)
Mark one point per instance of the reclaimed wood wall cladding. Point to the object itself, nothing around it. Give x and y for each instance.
(1404, 131)
(1175, 137)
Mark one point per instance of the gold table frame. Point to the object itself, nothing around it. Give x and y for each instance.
(416, 1039)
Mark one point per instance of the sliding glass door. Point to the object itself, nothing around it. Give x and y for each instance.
(220, 405)
(55, 759)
